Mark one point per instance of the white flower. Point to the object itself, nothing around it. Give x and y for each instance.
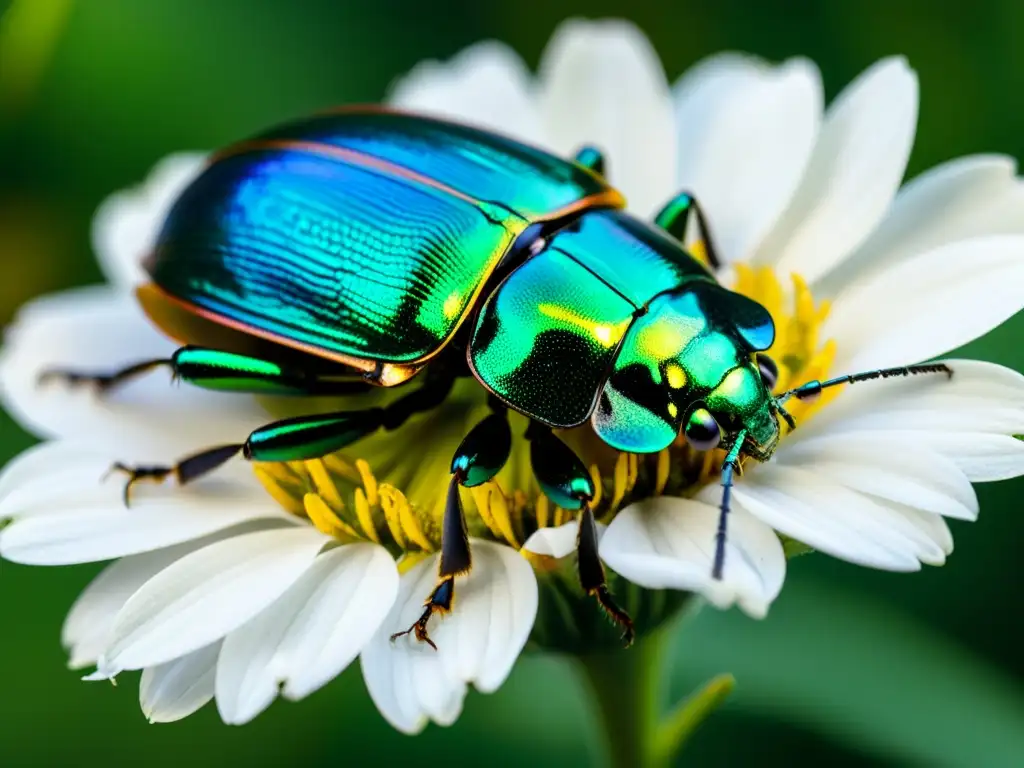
(223, 591)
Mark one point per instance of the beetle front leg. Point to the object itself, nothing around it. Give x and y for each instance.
(219, 371)
(592, 158)
(564, 479)
(674, 218)
(479, 457)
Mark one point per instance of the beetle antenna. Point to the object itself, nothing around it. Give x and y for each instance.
(729, 467)
(812, 389)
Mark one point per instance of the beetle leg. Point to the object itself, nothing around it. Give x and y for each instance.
(592, 575)
(479, 457)
(729, 467)
(103, 382)
(592, 158)
(220, 371)
(296, 439)
(455, 560)
(674, 218)
(564, 479)
(183, 472)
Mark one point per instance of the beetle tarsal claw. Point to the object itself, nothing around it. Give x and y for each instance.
(618, 616)
(419, 628)
(439, 601)
(101, 383)
(138, 474)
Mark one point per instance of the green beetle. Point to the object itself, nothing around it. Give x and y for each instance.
(365, 247)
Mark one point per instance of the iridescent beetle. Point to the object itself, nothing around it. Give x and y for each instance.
(394, 246)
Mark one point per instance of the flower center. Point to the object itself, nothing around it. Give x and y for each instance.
(390, 488)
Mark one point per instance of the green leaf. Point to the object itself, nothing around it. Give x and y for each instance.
(677, 727)
(860, 673)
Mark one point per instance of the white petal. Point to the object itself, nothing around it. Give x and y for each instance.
(486, 85)
(494, 609)
(93, 524)
(928, 304)
(557, 542)
(853, 174)
(88, 625)
(904, 472)
(207, 594)
(101, 330)
(745, 132)
(831, 518)
(983, 458)
(310, 634)
(39, 461)
(935, 529)
(87, 628)
(669, 543)
(127, 223)
(173, 691)
(959, 200)
(602, 85)
(80, 481)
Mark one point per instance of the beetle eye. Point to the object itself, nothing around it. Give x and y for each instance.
(702, 431)
(769, 371)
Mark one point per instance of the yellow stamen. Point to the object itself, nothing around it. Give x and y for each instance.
(619, 479)
(699, 251)
(369, 482)
(595, 478)
(281, 487)
(482, 498)
(410, 522)
(325, 520)
(324, 485)
(340, 467)
(391, 504)
(661, 478)
(500, 513)
(364, 516)
(542, 511)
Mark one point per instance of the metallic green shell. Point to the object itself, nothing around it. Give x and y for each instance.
(364, 234)
(635, 259)
(547, 337)
(480, 164)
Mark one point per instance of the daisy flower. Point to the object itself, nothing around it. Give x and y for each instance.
(269, 580)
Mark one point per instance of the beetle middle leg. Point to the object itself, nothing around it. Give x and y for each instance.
(480, 456)
(564, 479)
(297, 439)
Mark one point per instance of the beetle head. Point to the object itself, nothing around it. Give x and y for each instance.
(689, 365)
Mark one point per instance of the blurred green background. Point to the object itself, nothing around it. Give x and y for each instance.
(853, 667)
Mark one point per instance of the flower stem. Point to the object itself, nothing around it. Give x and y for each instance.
(628, 694)
(627, 691)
